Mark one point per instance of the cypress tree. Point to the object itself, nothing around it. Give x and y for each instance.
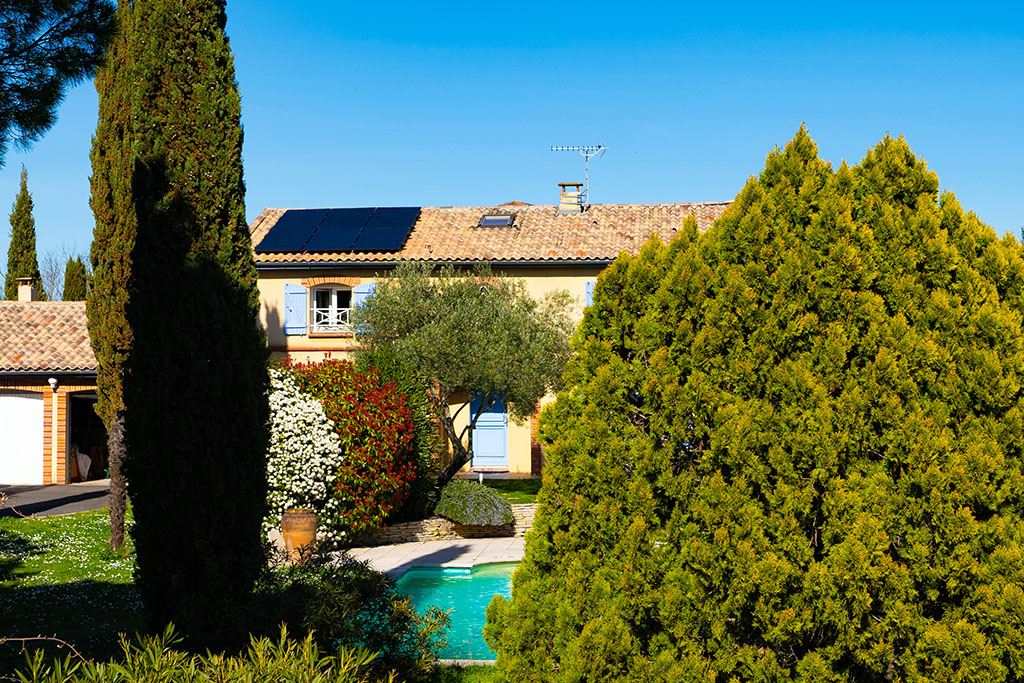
(114, 238)
(21, 254)
(75, 281)
(790, 449)
(174, 276)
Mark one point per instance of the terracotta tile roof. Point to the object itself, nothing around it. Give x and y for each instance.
(44, 335)
(451, 233)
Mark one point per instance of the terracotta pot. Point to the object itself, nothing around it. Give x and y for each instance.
(298, 526)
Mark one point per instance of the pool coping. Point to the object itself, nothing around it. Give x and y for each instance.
(397, 559)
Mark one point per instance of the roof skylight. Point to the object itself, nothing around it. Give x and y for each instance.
(497, 220)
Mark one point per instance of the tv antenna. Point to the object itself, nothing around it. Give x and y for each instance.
(588, 152)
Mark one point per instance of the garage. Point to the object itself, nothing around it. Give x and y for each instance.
(21, 437)
(47, 394)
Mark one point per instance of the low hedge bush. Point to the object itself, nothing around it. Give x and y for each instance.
(467, 502)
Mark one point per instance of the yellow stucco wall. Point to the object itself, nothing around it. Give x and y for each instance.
(304, 348)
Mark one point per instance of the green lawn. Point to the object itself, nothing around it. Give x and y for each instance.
(58, 578)
(515, 490)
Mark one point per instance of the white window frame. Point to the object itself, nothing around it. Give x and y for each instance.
(332, 319)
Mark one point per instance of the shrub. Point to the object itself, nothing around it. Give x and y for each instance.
(423, 491)
(304, 457)
(153, 658)
(467, 502)
(790, 449)
(342, 602)
(375, 425)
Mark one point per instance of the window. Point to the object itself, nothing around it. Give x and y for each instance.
(324, 309)
(497, 220)
(330, 308)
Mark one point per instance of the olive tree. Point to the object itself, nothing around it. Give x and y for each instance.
(466, 335)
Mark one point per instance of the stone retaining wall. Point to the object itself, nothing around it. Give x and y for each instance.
(440, 529)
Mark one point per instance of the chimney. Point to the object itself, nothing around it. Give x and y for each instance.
(571, 199)
(26, 290)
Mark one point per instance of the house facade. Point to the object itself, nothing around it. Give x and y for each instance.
(316, 265)
(49, 431)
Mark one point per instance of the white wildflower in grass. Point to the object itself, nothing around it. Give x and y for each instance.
(303, 457)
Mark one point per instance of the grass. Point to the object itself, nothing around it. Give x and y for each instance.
(59, 578)
(515, 490)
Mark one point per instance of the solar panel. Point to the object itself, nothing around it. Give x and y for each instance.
(339, 230)
(292, 230)
(387, 229)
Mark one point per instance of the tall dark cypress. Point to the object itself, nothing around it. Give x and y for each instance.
(76, 285)
(21, 254)
(176, 307)
(111, 254)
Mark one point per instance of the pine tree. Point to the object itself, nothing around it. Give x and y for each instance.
(174, 308)
(76, 286)
(46, 46)
(790, 449)
(21, 254)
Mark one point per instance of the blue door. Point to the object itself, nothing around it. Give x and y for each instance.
(490, 436)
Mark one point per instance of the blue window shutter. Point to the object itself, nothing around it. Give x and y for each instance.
(359, 295)
(590, 292)
(360, 292)
(295, 305)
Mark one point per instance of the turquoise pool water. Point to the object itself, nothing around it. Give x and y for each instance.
(466, 592)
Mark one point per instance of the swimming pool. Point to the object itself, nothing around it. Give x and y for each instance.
(466, 592)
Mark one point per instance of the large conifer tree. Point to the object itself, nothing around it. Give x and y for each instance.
(791, 449)
(173, 311)
(21, 254)
(76, 286)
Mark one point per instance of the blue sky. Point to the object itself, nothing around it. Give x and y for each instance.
(458, 103)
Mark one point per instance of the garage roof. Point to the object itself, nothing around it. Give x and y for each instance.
(44, 335)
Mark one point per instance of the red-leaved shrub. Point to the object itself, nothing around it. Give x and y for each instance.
(375, 425)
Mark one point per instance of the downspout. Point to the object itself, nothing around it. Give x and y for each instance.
(53, 431)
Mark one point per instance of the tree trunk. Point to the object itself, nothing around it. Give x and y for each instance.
(460, 454)
(452, 468)
(118, 490)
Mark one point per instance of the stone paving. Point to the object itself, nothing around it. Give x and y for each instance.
(396, 559)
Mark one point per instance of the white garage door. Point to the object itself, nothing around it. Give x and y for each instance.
(21, 438)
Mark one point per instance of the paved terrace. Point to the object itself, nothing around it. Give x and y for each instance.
(469, 552)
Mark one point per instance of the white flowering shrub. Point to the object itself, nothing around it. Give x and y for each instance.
(303, 457)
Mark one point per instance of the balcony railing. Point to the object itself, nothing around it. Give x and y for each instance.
(330, 320)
